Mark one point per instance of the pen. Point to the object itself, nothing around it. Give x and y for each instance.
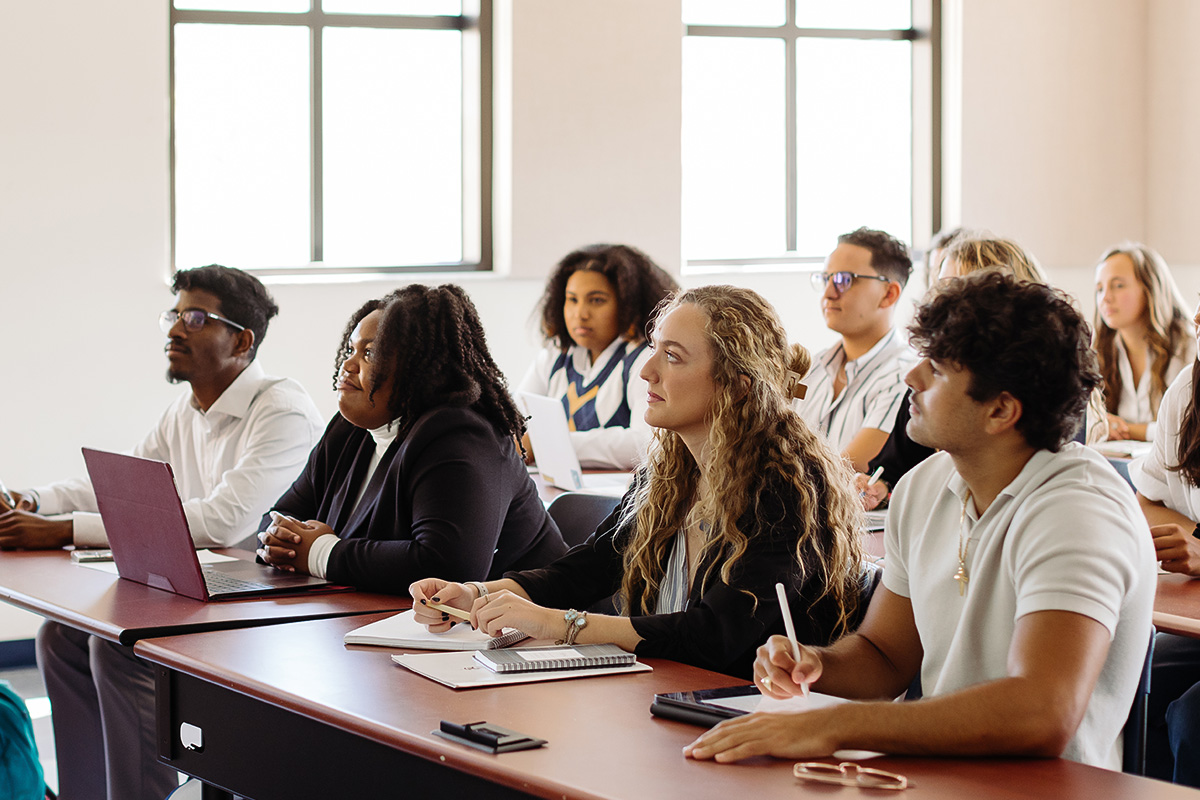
(8, 498)
(875, 476)
(454, 612)
(791, 631)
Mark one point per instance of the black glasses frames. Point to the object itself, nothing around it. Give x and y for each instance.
(193, 319)
(841, 280)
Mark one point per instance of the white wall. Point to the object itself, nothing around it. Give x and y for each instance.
(1078, 125)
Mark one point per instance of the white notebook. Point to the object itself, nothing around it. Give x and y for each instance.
(403, 630)
(462, 671)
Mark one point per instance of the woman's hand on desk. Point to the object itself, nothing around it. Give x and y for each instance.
(286, 542)
(1176, 548)
(504, 609)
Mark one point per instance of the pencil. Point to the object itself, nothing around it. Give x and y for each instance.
(454, 612)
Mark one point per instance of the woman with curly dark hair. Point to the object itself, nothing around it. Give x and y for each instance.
(595, 312)
(419, 470)
(738, 493)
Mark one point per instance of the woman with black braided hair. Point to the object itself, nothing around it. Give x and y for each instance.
(419, 472)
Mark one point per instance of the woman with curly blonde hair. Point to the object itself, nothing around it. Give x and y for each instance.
(738, 493)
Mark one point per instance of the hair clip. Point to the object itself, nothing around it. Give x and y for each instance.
(793, 386)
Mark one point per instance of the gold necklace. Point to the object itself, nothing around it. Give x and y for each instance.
(963, 542)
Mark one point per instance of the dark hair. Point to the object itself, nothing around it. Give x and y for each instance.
(431, 345)
(242, 296)
(1017, 337)
(639, 282)
(889, 255)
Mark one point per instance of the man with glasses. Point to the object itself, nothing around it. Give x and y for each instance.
(1020, 577)
(855, 387)
(235, 441)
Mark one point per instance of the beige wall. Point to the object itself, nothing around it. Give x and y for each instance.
(1077, 123)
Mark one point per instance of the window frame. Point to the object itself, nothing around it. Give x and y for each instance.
(925, 33)
(476, 24)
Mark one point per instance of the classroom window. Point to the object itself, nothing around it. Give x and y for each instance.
(322, 136)
(802, 120)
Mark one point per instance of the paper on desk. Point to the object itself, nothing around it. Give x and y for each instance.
(460, 670)
(205, 556)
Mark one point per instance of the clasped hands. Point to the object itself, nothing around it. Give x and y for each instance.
(287, 540)
(491, 614)
(795, 735)
(22, 528)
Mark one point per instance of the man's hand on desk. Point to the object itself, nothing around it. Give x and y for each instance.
(1176, 548)
(801, 735)
(286, 542)
(25, 530)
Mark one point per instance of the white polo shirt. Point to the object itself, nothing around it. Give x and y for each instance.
(1066, 535)
(872, 395)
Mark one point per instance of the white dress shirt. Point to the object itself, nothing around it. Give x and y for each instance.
(1151, 474)
(872, 395)
(230, 463)
(1134, 404)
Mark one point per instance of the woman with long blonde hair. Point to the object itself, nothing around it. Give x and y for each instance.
(1142, 335)
(738, 493)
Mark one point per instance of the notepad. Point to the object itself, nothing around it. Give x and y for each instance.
(540, 659)
(461, 670)
(403, 630)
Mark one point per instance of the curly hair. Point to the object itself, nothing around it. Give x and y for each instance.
(1168, 324)
(242, 296)
(755, 439)
(430, 340)
(1018, 337)
(889, 255)
(640, 285)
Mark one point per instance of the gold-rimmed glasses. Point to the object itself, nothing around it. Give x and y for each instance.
(849, 773)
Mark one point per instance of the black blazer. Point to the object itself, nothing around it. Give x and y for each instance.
(723, 624)
(452, 500)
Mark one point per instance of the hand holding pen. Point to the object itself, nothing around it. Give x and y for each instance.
(785, 668)
(871, 491)
(10, 501)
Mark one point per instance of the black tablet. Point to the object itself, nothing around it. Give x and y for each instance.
(705, 706)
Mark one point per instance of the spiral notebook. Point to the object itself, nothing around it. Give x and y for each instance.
(542, 659)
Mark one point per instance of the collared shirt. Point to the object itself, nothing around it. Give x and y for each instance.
(1151, 474)
(872, 395)
(230, 463)
(605, 400)
(1135, 403)
(1065, 535)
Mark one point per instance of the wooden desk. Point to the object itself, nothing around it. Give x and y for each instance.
(289, 711)
(47, 583)
(1177, 605)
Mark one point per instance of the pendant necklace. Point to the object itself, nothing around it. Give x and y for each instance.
(963, 543)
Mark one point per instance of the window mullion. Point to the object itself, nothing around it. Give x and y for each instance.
(316, 136)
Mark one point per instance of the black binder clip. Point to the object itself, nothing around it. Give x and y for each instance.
(487, 737)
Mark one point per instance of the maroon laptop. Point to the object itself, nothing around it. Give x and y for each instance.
(151, 544)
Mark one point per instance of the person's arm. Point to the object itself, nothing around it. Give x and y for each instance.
(1174, 544)
(1054, 662)
(865, 445)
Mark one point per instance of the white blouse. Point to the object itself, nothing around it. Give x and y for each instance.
(1134, 405)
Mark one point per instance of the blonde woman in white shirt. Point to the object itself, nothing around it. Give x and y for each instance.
(1142, 335)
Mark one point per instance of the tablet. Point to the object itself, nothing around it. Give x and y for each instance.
(706, 707)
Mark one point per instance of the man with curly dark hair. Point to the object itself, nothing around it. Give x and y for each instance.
(855, 387)
(235, 439)
(1020, 576)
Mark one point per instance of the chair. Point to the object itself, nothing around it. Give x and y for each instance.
(1134, 734)
(577, 514)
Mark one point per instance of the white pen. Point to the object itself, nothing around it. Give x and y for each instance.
(8, 498)
(872, 480)
(791, 631)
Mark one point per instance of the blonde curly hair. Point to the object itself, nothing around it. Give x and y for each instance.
(755, 439)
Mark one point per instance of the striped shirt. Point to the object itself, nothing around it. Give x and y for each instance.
(874, 390)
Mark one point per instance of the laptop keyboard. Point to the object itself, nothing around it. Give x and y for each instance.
(223, 583)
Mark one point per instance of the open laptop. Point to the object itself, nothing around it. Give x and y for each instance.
(556, 459)
(151, 544)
